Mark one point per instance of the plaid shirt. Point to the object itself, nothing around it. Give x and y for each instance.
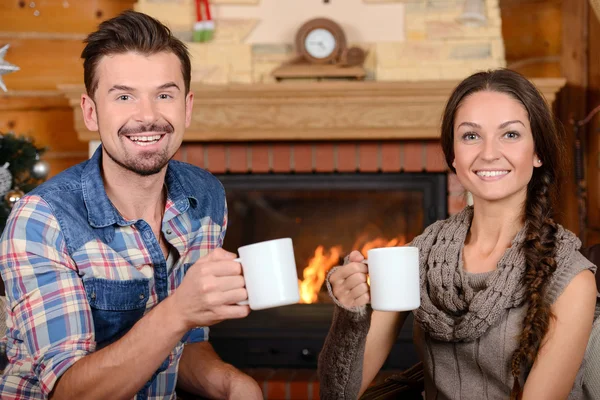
(78, 275)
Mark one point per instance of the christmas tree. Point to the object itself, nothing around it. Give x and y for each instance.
(21, 170)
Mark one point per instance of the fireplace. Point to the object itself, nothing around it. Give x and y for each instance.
(327, 216)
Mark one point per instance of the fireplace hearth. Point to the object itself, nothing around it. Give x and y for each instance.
(327, 216)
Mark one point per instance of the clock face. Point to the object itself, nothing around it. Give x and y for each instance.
(320, 43)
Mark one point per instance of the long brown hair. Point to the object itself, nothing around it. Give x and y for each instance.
(136, 32)
(540, 243)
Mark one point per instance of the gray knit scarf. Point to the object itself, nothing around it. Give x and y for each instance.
(450, 309)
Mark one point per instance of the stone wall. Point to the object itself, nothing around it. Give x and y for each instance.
(408, 40)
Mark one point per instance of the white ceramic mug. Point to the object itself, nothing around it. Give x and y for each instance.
(269, 270)
(394, 278)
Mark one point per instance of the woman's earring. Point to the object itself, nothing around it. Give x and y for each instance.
(539, 161)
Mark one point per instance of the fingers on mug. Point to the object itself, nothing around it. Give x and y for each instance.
(243, 302)
(269, 270)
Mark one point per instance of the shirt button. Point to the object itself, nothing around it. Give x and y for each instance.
(93, 295)
(169, 231)
(142, 296)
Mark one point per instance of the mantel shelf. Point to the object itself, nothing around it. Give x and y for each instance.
(314, 111)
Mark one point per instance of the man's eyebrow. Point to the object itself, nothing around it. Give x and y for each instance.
(122, 88)
(168, 86)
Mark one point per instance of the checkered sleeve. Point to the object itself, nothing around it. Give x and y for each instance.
(48, 309)
(223, 227)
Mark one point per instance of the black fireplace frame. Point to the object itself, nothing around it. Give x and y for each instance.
(292, 336)
(433, 185)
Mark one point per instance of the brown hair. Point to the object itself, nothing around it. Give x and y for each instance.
(540, 243)
(131, 31)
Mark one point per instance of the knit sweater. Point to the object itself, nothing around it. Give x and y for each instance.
(462, 360)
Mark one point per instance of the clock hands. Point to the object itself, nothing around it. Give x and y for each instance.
(320, 43)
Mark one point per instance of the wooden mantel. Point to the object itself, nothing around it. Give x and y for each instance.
(314, 111)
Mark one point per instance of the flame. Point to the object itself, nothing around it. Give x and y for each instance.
(381, 242)
(314, 274)
(376, 243)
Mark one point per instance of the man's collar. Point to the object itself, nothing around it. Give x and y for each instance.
(101, 211)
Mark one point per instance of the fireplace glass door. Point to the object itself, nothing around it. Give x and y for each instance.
(326, 216)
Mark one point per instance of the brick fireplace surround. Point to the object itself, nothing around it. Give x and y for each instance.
(325, 157)
(317, 127)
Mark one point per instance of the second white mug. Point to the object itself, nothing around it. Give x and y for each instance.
(394, 278)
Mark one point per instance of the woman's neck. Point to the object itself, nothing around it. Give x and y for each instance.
(494, 226)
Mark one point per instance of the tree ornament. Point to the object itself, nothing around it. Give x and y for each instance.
(40, 169)
(5, 66)
(5, 180)
(13, 196)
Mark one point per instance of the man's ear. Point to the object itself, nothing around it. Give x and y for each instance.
(90, 117)
(189, 106)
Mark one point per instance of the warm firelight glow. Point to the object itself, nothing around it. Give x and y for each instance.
(314, 274)
(318, 266)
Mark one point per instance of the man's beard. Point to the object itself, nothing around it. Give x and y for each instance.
(156, 163)
(146, 164)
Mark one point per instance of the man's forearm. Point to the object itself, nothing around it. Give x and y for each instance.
(121, 369)
(202, 372)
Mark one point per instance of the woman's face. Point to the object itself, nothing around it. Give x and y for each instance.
(494, 153)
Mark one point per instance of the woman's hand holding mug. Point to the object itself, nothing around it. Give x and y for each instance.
(394, 279)
(349, 283)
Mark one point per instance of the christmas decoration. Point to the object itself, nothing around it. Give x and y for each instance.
(12, 197)
(204, 27)
(5, 66)
(5, 180)
(20, 164)
(40, 169)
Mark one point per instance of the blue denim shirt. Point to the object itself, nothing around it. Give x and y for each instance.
(78, 275)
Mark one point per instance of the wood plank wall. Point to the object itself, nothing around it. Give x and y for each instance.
(549, 38)
(593, 131)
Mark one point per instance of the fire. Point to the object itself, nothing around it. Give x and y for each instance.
(318, 266)
(314, 274)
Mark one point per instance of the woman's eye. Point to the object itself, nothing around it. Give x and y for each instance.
(512, 135)
(470, 136)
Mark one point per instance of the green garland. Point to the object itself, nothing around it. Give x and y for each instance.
(21, 153)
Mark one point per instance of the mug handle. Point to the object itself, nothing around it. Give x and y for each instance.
(244, 302)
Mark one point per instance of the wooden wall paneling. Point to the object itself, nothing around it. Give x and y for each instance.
(532, 36)
(80, 16)
(571, 102)
(49, 120)
(593, 132)
(43, 63)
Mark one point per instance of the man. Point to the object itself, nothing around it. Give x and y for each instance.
(113, 269)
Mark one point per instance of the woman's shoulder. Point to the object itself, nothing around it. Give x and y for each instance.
(570, 262)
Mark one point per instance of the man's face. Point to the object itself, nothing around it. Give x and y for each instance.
(140, 110)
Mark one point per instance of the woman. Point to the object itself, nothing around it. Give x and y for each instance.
(507, 300)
